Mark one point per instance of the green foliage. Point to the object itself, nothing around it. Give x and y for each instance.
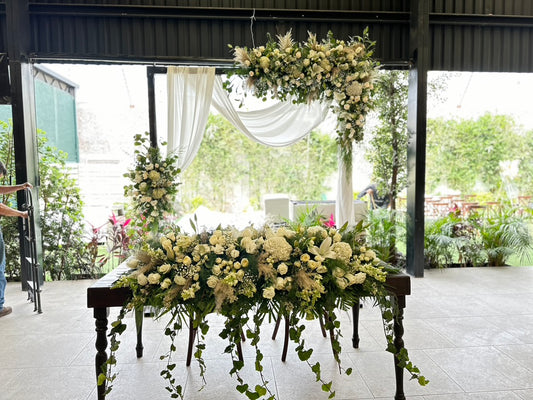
(65, 252)
(462, 153)
(384, 229)
(9, 225)
(388, 146)
(228, 164)
(477, 240)
(503, 234)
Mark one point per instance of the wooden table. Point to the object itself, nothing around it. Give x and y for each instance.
(101, 296)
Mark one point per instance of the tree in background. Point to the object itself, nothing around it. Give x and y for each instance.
(388, 147)
(230, 166)
(464, 153)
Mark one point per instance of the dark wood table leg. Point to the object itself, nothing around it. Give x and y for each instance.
(285, 339)
(355, 316)
(399, 344)
(139, 325)
(100, 315)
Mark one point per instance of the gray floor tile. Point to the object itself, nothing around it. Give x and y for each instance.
(469, 330)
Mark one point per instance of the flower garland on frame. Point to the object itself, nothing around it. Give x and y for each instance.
(153, 184)
(332, 70)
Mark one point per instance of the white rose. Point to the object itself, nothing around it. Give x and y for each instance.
(154, 278)
(133, 263)
(212, 281)
(282, 269)
(166, 283)
(280, 283)
(341, 283)
(269, 292)
(142, 280)
(180, 280)
(165, 268)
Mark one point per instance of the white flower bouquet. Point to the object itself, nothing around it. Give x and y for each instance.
(299, 272)
(153, 184)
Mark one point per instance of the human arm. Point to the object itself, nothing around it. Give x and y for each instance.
(7, 211)
(15, 188)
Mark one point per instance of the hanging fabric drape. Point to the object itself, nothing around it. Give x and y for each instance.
(189, 99)
(344, 211)
(278, 125)
(191, 91)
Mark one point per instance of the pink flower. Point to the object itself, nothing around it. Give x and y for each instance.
(330, 223)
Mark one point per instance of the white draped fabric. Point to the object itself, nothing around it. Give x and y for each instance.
(344, 211)
(191, 91)
(189, 100)
(278, 125)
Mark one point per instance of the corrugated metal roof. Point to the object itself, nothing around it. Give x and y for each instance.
(478, 35)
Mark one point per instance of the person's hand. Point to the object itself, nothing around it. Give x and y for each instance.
(27, 185)
(23, 214)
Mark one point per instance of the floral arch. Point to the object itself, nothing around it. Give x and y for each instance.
(333, 71)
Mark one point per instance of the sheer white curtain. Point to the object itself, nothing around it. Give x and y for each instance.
(278, 125)
(191, 91)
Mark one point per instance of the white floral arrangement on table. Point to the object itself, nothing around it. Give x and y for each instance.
(331, 69)
(299, 272)
(153, 184)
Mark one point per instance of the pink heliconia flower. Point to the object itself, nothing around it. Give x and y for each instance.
(331, 222)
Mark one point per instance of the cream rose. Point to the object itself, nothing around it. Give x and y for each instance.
(166, 283)
(154, 278)
(269, 292)
(283, 269)
(165, 268)
(180, 280)
(142, 280)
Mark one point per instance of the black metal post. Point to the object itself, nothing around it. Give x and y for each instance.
(416, 125)
(150, 71)
(23, 114)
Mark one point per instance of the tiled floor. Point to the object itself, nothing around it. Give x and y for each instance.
(469, 330)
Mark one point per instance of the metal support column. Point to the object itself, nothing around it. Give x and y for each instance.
(416, 125)
(23, 113)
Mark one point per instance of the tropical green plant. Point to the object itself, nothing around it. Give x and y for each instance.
(438, 243)
(503, 234)
(384, 227)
